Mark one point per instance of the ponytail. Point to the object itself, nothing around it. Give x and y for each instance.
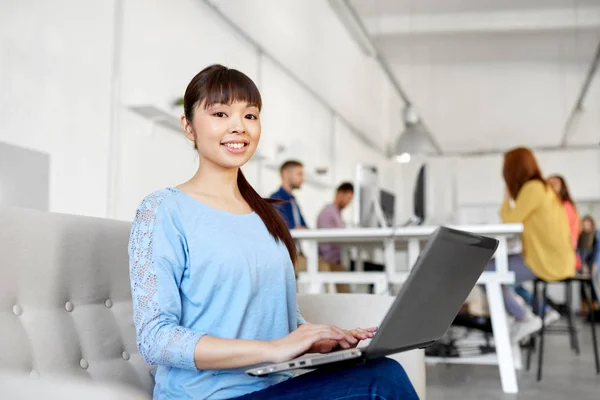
(270, 217)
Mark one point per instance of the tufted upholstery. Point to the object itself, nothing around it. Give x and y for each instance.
(65, 300)
(15, 386)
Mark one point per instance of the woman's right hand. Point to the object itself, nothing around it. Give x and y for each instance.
(302, 339)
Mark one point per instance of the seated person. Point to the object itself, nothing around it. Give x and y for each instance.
(331, 218)
(588, 248)
(559, 186)
(212, 277)
(292, 178)
(547, 249)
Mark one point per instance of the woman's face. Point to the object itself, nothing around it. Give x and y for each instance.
(225, 134)
(556, 184)
(588, 226)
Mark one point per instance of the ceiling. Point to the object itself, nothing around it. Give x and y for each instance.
(490, 74)
(387, 7)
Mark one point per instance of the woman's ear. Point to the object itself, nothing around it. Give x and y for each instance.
(187, 129)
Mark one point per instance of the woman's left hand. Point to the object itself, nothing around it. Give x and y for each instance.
(326, 346)
(507, 195)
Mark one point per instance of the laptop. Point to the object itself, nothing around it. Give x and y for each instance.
(440, 281)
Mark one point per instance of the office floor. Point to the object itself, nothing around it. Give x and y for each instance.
(565, 375)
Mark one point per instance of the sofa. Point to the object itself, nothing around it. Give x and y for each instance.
(66, 309)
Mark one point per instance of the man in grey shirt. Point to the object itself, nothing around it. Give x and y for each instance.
(331, 218)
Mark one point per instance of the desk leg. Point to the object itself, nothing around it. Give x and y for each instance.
(414, 249)
(331, 288)
(501, 257)
(517, 354)
(382, 285)
(311, 248)
(389, 251)
(504, 351)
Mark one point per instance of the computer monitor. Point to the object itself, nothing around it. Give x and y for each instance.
(365, 187)
(388, 206)
(419, 199)
(368, 212)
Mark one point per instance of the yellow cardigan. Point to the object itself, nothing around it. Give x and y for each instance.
(547, 248)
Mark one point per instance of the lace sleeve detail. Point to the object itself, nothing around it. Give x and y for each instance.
(157, 262)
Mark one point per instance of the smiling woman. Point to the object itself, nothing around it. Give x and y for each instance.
(222, 117)
(212, 273)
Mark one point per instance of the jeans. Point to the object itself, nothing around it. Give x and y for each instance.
(528, 297)
(381, 379)
(516, 264)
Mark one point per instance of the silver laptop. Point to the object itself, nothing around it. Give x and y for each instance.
(439, 283)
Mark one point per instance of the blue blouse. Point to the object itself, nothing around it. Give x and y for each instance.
(196, 270)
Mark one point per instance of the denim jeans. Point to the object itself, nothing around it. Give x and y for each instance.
(528, 297)
(381, 379)
(516, 264)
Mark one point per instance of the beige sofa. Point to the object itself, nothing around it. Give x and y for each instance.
(65, 302)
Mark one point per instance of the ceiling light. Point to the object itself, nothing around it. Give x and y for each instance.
(414, 140)
(403, 158)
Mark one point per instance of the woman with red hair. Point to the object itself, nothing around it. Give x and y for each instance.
(547, 249)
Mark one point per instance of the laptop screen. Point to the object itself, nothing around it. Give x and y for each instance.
(439, 283)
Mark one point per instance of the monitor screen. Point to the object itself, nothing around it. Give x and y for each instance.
(366, 188)
(388, 203)
(419, 195)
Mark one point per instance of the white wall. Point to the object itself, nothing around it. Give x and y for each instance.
(55, 71)
(55, 64)
(310, 40)
(471, 189)
(480, 184)
(164, 45)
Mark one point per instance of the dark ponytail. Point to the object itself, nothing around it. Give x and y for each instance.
(270, 217)
(219, 84)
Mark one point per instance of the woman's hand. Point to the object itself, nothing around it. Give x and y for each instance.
(507, 195)
(326, 346)
(303, 339)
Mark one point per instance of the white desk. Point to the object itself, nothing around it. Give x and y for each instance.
(493, 280)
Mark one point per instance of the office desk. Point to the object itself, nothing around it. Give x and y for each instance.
(412, 237)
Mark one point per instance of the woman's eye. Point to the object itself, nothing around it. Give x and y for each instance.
(251, 116)
(219, 114)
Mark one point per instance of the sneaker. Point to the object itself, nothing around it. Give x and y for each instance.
(522, 329)
(551, 317)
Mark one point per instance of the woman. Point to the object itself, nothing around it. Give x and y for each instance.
(559, 185)
(212, 272)
(588, 248)
(547, 250)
